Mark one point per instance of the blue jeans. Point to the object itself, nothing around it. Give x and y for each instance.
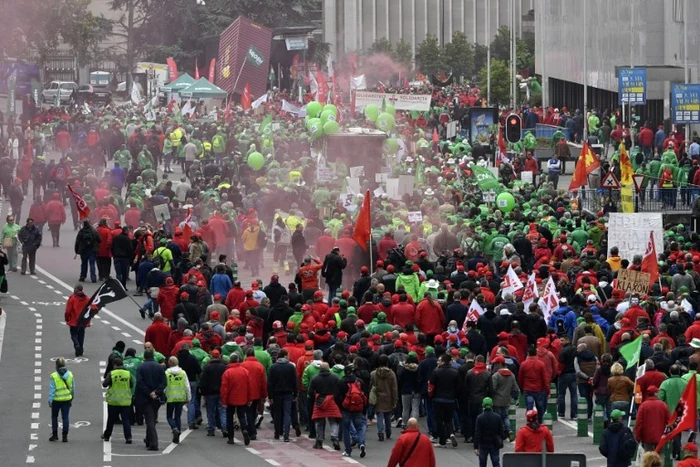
(586, 391)
(537, 399)
(484, 454)
(567, 381)
(430, 416)
(85, 258)
(173, 414)
(332, 290)
(194, 409)
(384, 423)
(357, 421)
(213, 407)
(64, 408)
(282, 410)
(121, 267)
(503, 412)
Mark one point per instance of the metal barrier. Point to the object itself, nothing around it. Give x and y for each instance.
(545, 131)
(652, 199)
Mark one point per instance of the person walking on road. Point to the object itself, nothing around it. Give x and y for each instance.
(443, 389)
(55, 217)
(282, 389)
(9, 241)
(119, 384)
(351, 398)
(384, 384)
(531, 436)
(16, 195)
(87, 242)
(104, 251)
(150, 387)
(412, 449)
(61, 392)
(210, 387)
(177, 394)
(322, 392)
(236, 393)
(258, 377)
(74, 307)
(30, 236)
(489, 434)
(618, 444)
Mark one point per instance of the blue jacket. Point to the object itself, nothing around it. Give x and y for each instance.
(567, 315)
(150, 377)
(65, 374)
(659, 138)
(220, 284)
(599, 320)
(610, 445)
(142, 272)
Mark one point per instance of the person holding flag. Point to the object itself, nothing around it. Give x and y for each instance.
(586, 164)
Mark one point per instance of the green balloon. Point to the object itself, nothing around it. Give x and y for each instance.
(312, 122)
(505, 202)
(308, 120)
(313, 109)
(256, 161)
(316, 128)
(385, 122)
(331, 127)
(372, 112)
(332, 108)
(390, 109)
(327, 115)
(390, 146)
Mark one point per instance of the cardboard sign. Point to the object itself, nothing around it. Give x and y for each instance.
(357, 172)
(162, 212)
(381, 177)
(378, 192)
(325, 174)
(354, 185)
(633, 281)
(630, 232)
(415, 217)
(348, 200)
(392, 188)
(452, 129)
(406, 184)
(526, 177)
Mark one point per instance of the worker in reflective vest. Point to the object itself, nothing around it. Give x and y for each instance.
(119, 384)
(177, 394)
(61, 392)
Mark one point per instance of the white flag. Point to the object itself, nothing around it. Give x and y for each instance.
(329, 65)
(135, 94)
(473, 314)
(153, 102)
(530, 293)
(188, 109)
(259, 101)
(358, 83)
(549, 300)
(512, 281)
(313, 85)
(290, 108)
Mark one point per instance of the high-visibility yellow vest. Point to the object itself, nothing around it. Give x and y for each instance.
(176, 391)
(119, 393)
(63, 387)
(175, 137)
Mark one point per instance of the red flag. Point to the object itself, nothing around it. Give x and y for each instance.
(172, 66)
(187, 230)
(227, 114)
(83, 208)
(322, 88)
(685, 417)
(502, 151)
(196, 69)
(171, 104)
(649, 262)
(212, 70)
(436, 137)
(246, 98)
(363, 226)
(587, 163)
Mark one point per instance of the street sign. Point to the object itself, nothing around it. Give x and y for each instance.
(685, 103)
(610, 182)
(631, 86)
(638, 179)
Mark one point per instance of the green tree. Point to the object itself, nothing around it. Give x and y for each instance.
(480, 55)
(500, 46)
(381, 46)
(459, 54)
(403, 53)
(500, 82)
(84, 32)
(430, 59)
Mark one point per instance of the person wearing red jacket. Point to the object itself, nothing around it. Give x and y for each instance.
(132, 216)
(37, 211)
(55, 217)
(75, 306)
(158, 334)
(532, 379)
(690, 456)
(531, 436)
(503, 342)
(258, 377)
(167, 298)
(236, 394)
(219, 228)
(324, 244)
(429, 318)
(386, 244)
(693, 331)
(104, 251)
(249, 302)
(651, 420)
(517, 339)
(626, 327)
(235, 297)
(402, 313)
(651, 378)
(530, 165)
(63, 142)
(405, 455)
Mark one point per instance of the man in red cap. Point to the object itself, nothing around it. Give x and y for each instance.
(690, 456)
(362, 284)
(167, 298)
(651, 420)
(531, 436)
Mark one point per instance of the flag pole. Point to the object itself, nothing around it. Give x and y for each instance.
(369, 214)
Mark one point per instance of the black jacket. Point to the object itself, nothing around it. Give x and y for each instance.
(30, 238)
(280, 312)
(362, 285)
(122, 246)
(478, 385)
(333, 266)
(87, 240)
(489, 430)
(323, 384)
(446, 384)
(566, 358)
(210, 381)
(274, 291)
(189, 364)
(282, 379)
(150, 377)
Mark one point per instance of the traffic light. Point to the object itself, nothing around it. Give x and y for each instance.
(514, 128)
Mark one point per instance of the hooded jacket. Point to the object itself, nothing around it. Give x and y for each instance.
(384, 380)
(478, 383)
(212, 374)
(568, 318)
(409, 378)
(236, 386)
(504, 387)
(65, 374)
(530, 437)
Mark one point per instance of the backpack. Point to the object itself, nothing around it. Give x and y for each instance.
(158, 260)
(628, 446)
(355, 399)
(262, 240)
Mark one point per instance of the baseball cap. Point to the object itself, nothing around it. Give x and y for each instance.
(487, 402)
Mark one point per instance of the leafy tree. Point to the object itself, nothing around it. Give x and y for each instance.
(480, 55)
(459, 54)
(403, 53)
(84, 32)
(381, 46)
(430, 59)
(500, 82)
(500, 46)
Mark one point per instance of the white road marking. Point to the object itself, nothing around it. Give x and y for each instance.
(37, 379)
(37, 371)
(37, 396)
(37, 348)
(106, 445)
(39, 326)
(58, 292)
(350, 460)
(39, 333)
(38, 315)
(31, 308)
(37, 355)
(103, 320)
(253, 451)
(30, 459)
(35, 426)
(573, 425)
(116, 328)
(126, 334)
(32, 447)
(103, 310)
(49, 286)
(24, 303)
(37, 363)
(41, 281)
(15, 297)
(137, 342)
(3, 323)
(34, 436)
(37, 340)
(172, 446)
(35, 415)
(37, 387)
(36, 405)
(103, 363)
(272, 462)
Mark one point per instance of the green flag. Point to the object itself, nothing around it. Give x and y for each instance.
(631, 351)
(264, 124)
(485, 179)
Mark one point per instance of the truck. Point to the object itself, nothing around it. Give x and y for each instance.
(151, 76)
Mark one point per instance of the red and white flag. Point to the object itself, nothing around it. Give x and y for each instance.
(530, 293)
(511, 281)
(186, 228)
(502, 151)
(550, 299)
(685, 416)
(649, 262)
(212, 70)
(473, 314)
(83, 208)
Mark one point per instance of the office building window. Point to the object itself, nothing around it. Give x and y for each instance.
(678, 13)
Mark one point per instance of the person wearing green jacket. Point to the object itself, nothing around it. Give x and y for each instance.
(231, 347)
(672, 388)
(199, 353)
(381, 326)
(410, 281)
(123, 156)
(643, 170)
(262, 356)
(556, 137)
(145, 158)
(9, 241)
(669, 155)
(296, 318)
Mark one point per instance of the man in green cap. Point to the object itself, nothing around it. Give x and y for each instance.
(381, 326)
(489, 434)
(618, 444)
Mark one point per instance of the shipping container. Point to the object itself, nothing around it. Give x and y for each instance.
(244, 57)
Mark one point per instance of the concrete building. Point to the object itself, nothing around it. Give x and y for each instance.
(353, 25)
(643, 33)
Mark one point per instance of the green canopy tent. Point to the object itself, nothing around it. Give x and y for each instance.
(179, 84)
(203, 89)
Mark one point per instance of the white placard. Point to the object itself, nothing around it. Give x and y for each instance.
(357, 172)
(392, 188)
(526, 177)
(348, 200)
(452, 129)
(162, 212)
(380, 177)
(415, 217)
(354, 185)
(378, 192)
(630, 233)
(406, 184)
(325, 174)
(420, 102)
